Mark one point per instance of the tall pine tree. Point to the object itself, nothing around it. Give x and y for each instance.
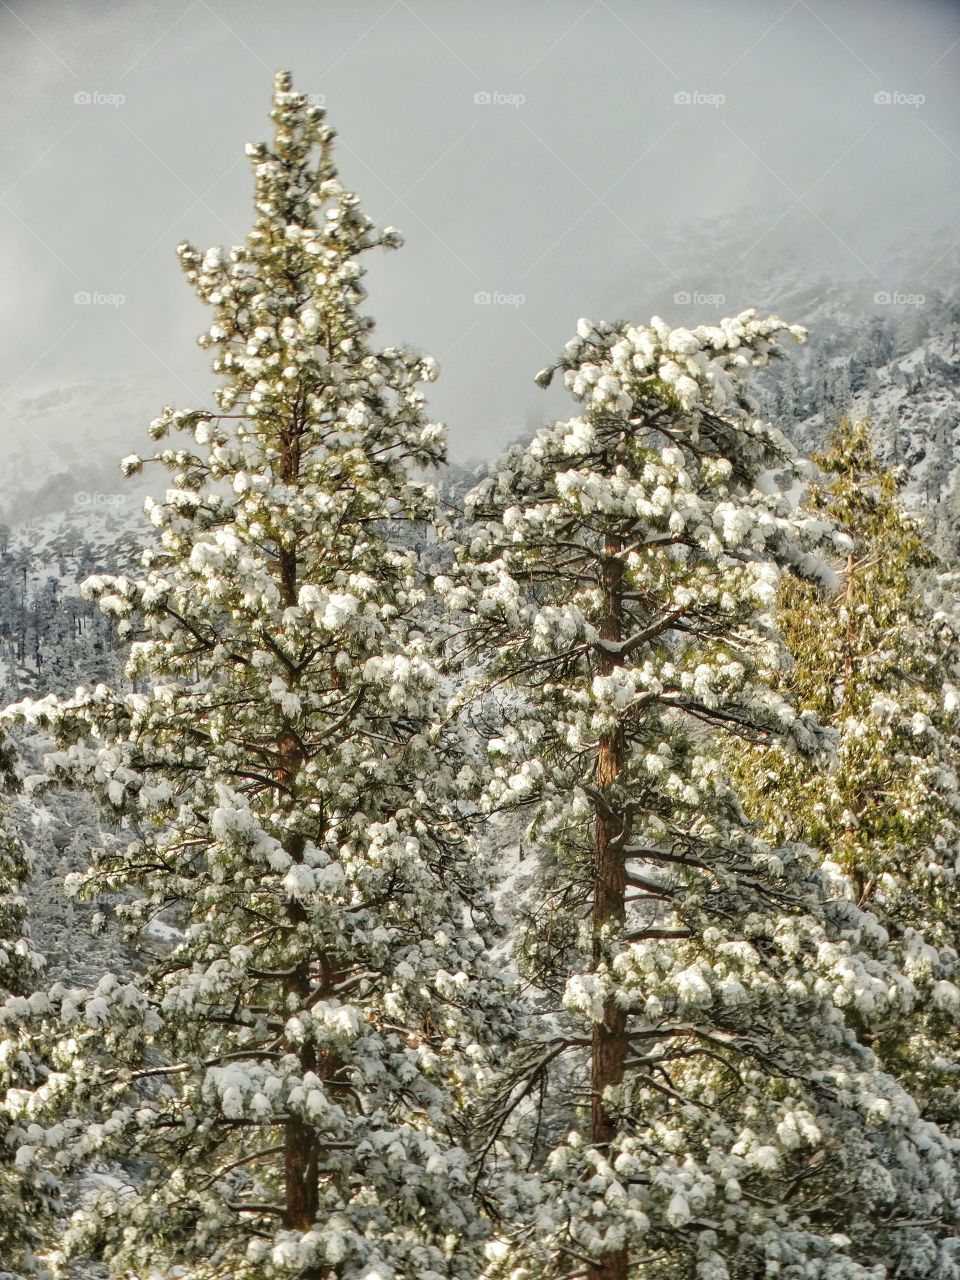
(695, 1104)
(280, 1093)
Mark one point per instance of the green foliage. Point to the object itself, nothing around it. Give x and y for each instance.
(281, 1091)
(878, 662)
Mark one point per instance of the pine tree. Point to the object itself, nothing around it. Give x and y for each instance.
(28, 1193)
(280, 1094)
(721, 1115)
(820, 377)
(880, 664)
(839, 391)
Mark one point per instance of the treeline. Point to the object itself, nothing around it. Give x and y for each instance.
(50, 636)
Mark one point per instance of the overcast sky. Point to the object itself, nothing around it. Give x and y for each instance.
(563, 159)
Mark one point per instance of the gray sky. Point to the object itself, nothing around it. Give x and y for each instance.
(621, 154)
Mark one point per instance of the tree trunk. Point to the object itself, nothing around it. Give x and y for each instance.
(609, 1042)
(300, 1155)
(300, 1151)
(301, 1148)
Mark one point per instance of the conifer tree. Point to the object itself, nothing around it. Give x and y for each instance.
(28, 1193)
(879, 664)
(694, 1104)
(279, 1095)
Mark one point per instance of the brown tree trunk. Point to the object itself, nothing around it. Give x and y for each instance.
(300, 1154)
(609, 1042)
(301, 1149)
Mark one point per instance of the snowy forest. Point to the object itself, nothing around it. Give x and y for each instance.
(541, 870)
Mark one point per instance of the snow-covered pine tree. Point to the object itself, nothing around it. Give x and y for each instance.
(28, 1193)
(618, 584)
(880, 665)
(279, 1095)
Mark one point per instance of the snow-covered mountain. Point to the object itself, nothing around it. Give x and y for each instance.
(884, 330)
(51, 538)
(897, 365)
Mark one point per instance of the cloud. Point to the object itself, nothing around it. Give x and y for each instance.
(592, 158)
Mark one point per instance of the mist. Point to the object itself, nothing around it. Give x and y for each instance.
(543, 160)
